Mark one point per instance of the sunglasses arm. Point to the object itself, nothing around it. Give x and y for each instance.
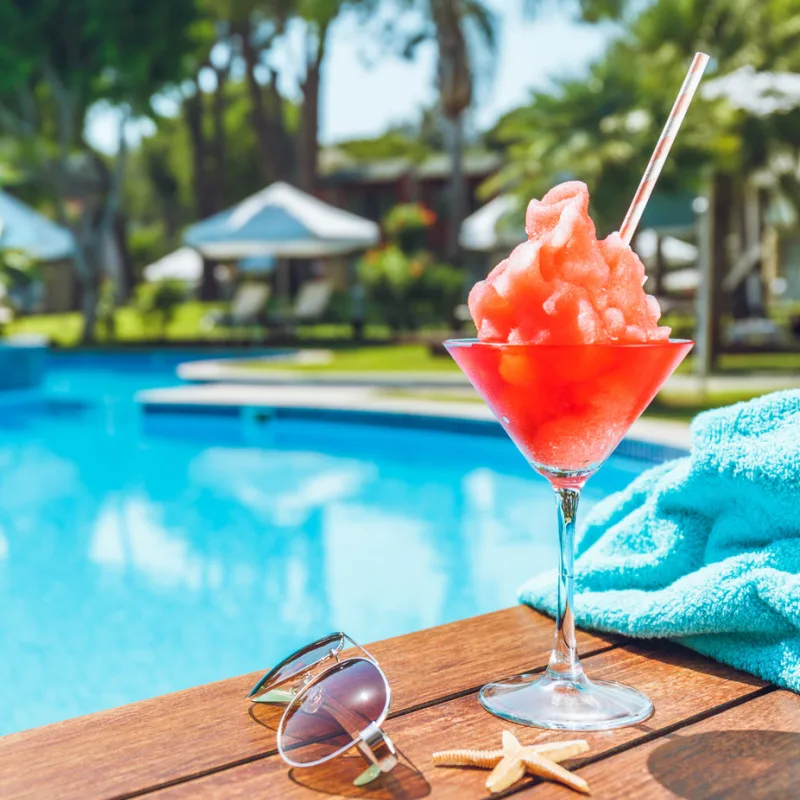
(379, 750)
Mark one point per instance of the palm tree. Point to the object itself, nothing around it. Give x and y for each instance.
(455, 78)
(465, 32)
(602, 129)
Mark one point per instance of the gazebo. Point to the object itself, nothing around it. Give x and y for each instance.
(284, 222)
(491, 227)
(24, 229)
(183, 264)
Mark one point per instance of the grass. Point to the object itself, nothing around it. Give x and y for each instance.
(64, 330)
(684, 406)
(435, 396)
(386, 358)
(669, 405)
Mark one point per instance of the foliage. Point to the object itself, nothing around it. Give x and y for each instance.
(16, 268)
(408, 216)
(159, 301)
(601, 128)
(59, 59)
(394, 143)
(410, 291)
(106, 309)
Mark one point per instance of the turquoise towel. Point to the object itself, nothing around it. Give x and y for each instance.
(704, 550)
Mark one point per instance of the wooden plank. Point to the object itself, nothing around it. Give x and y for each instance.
(680, 683)
(750, 752)
(127, 750)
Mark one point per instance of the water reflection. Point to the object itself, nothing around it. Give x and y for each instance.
(129, 533)
(134, 564)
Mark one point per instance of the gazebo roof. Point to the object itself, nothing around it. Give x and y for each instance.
(281, 221)
(25, 229)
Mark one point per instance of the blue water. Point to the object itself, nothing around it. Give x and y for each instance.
(138, 558)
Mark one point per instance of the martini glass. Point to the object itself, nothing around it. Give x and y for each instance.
(566, 407)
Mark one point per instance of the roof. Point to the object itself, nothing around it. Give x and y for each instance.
(440, 165)
(492, 226)
(281, 221)
(336, 167)
(25, 229)
(184, 264)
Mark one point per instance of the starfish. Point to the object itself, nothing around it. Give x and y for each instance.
(514, 760)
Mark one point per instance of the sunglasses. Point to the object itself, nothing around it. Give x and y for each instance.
(332, 703)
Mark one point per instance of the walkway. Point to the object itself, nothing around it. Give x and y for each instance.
(367, 399)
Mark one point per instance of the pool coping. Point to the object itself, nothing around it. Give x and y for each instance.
(223, 371)
(650, 440)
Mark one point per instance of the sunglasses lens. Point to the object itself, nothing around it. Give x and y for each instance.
(301, 661)
(331, 714)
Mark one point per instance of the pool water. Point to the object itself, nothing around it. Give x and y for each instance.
(139, 556)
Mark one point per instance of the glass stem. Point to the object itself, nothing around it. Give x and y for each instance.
(564, 663)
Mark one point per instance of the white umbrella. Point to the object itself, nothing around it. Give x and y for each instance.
(484, 230)
(758, 93)
(675, 252)
(284, 222)
(184, 264)
(682, 281)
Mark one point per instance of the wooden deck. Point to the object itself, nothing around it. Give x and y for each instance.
(716, 733)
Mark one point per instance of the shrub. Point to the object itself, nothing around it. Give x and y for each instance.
(409, 291)
(406, 225)
(158, 301)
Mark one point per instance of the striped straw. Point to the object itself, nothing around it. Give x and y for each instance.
(665, 141)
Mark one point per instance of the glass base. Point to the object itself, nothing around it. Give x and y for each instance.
(547, 701)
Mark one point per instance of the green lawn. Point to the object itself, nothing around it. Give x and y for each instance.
(65, 329)
(684, 407)
(668, 405)
(385, 358)
(417, 358)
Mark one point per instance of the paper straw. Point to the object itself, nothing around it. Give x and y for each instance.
(665, 141)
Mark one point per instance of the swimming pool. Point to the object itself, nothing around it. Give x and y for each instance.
(139, 557)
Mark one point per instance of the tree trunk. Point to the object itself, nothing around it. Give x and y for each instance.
(99, 232)
(457, 186)
(271, 163)
(309, 119)
(194, 109)
(284, 157)
(89, 297)
(658, 267)
(129, 279)
(219, 171)
(309, 132)
(721, 210)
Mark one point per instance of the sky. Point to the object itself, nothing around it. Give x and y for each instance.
(361, 96)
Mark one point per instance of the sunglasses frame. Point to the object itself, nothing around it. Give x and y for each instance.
(258, 694)
(375, 746)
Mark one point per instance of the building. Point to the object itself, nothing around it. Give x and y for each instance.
(372, 188)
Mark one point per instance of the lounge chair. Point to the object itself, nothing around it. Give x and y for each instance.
(310, 304)
(245, 310)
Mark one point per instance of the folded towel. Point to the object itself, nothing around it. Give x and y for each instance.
(704, 550)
